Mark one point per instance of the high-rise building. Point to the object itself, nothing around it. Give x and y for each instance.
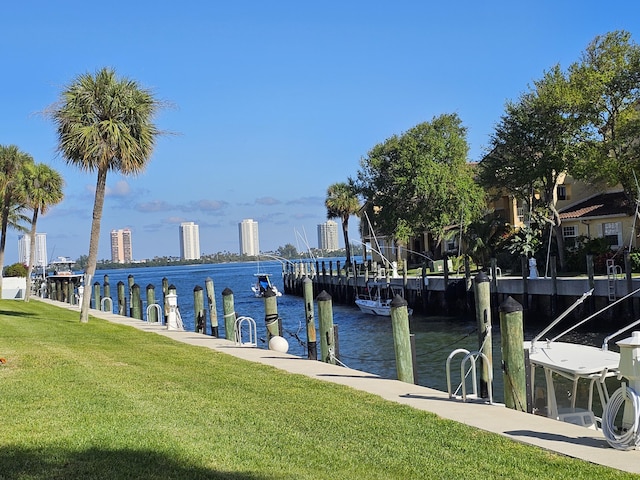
(121, 248)
(249, 244)
(328, 236)
(24, 249)
(189, 241)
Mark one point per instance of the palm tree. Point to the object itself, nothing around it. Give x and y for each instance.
(12, 165)
(342, 202)
(44, 190)
(104, 123)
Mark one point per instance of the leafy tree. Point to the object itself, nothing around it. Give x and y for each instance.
(288, 251)
(12, 166)
(421, 181)
(608, 80)
(44, 189)
(16, 270)
(482, 237)
(533, 146)
(104, 123)
(342, 202)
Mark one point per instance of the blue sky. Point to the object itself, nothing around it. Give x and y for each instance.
(270, 102)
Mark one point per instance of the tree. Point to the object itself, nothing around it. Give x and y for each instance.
(421, 181)
(608, 80)
(535, 143)
(342, 202)
(44, 189)
(12, 166)
(104, 123)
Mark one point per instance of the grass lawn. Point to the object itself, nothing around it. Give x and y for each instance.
(105, 401)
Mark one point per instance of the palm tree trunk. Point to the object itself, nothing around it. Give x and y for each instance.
(93, 243)
(3, 234)
(345, 234)
(32, 253)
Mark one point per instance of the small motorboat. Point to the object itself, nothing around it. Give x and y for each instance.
(263, 284)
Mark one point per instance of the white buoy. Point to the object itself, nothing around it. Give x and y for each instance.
(279, 344)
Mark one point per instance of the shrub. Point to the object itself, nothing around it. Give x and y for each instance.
(15, 270)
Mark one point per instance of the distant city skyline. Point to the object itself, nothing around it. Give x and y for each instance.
(121, 246)
(328, 236)
(189, 241)
(248, 236)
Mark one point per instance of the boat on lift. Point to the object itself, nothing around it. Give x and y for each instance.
(376, 300)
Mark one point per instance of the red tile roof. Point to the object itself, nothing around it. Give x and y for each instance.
(605, 204)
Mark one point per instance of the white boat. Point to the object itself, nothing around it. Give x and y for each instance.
(263, 284)
(377, 299)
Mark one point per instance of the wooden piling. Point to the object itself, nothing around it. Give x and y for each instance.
(514, 371)
(136, 302)
(165, 303)
(122, 301)
(200, 319)
(312, 348)
(325, 319)
(402, 339)
(229, 312)
(152, 315)
(211, 301)
(483, 318)
(96, 295)
(271, 318)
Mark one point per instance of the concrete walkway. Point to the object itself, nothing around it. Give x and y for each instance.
(560, 437)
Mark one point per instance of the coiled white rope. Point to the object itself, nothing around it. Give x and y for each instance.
(629, 439)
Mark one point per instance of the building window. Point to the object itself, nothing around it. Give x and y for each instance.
(613, 234)
(569, 233)
(563, 193)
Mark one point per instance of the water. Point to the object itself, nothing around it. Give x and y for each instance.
(365, 341)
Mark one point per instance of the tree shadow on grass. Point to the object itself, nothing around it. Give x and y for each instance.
(58, 464)
(12, 313)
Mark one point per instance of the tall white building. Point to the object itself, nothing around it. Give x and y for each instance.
(249, 244)
(328, 236)
(121, 247)
(24, 248)
(189, 241)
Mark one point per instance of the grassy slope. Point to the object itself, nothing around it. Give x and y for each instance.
(100, 400)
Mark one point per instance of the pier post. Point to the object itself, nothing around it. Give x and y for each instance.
(152, 316)
(96, 295)
(229, 313)
(107, 290)
(591, 301)
(131, 281)
(165, 302)
(483, 318)
(312, 347)
(271, 318)
(554, 287)
(200, 319)
(136, 302)
(211, 300)
(514, 371)
(402, 339)
(325, 319)
(122, 301)
(629, 281)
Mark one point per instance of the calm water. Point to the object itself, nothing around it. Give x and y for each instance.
(365, 341)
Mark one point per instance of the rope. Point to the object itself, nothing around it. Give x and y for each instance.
(629, 439)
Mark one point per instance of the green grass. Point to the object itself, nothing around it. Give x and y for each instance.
(105, 401)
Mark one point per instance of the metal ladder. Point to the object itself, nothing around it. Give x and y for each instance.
(613, 271)
(468, 356)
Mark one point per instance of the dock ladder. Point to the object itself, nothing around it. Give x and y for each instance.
(472, 357)
(252, 331)
(613, 271)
